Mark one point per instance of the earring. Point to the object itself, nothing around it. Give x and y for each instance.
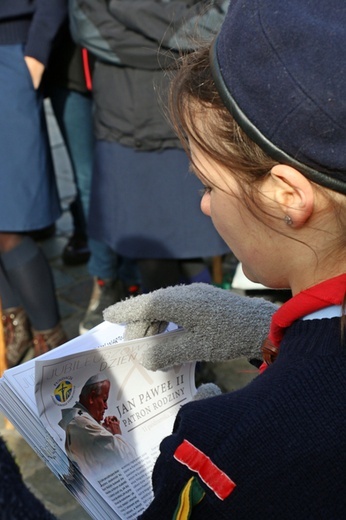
(288, 220)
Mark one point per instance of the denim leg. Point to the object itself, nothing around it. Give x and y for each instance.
(103, 261)
(73, 112)
(106, 264)
(128, 271)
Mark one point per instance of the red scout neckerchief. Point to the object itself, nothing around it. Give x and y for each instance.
(325, 294)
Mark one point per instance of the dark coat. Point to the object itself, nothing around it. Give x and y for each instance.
(135, 42)
(278, 445)
(34, 23)
(16, 500)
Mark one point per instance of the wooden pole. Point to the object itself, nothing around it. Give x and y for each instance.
(217, 271)
(3, 362)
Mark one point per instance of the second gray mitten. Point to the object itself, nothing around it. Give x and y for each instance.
(219, 325)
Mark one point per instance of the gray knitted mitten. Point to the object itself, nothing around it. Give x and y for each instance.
(219, 324)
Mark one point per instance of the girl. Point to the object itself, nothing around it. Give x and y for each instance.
(263, 115)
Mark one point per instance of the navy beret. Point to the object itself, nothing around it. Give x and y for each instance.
(280, 68)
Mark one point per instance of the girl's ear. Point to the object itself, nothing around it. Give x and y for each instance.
(293, 193)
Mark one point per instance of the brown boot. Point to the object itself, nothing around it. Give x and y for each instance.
(17, 332)
(45, 340)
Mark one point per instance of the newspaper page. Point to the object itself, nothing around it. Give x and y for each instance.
(18, 404)
(109, 414)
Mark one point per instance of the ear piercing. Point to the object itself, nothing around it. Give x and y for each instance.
(288, 220)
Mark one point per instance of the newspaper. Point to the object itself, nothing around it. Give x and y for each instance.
(104, 451)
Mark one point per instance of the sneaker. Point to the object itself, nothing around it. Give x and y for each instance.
(17, 335)
(76, 251)
(133, 290)
(104, 294)
(45, 340)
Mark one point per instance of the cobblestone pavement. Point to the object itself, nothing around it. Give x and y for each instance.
(73, 286)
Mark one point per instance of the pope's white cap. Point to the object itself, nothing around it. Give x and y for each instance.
(98, 378)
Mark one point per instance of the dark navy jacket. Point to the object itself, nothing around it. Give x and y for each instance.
(34, 23)
(281, 440)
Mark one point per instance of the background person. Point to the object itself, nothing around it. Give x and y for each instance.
(68, 84)
(144, 202)
(28, 195)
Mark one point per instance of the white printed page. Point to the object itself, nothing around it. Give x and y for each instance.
(21, 379)
(141, 405)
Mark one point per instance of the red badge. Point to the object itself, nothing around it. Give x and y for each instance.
(212, 476)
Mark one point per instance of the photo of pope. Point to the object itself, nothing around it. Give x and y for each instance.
(94, 443)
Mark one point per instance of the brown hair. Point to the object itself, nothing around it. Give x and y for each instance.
(193, 94)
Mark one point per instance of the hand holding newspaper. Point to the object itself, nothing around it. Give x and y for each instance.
(96, 416)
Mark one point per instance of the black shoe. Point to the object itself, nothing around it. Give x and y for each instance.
(76, 251)
(40, 235)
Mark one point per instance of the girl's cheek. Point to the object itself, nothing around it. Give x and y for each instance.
(205, 204)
